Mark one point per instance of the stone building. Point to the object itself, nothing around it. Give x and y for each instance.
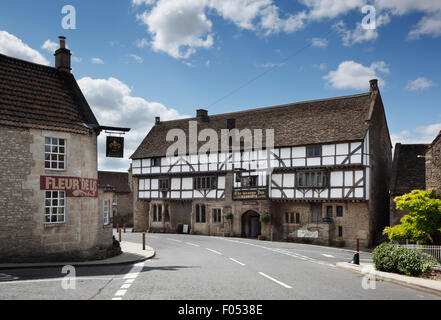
(408, 174)
(117, 197)
(49, 208)
(433, 165)
(326, 175)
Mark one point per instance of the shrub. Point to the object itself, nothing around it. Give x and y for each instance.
(384, 258)
(409, 262)
(115, 243)
(228, 215)
(264, 217)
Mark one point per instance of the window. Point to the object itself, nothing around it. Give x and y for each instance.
(164, 184)
(289, 218)
(340, 231)
(156, 162)
(106, 211)
(312, 179)
(54, 206)
(249, 182)
(297, 218)
(54, 154)
(339, 211)
(329, 211)
(155, 214)
(200, 213)
(313, 151)
(166, 214)
(202, 183)
(217, 215)
(159, 213)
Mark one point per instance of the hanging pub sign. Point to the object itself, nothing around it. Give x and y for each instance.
(115, 147)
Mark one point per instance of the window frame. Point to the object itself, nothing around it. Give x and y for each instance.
(217, 215)
(314, 154)
(57, 154)
(331, 213)
(340, 231)
(205, 183)
(339, 215)
(161, 181)
(254, 178)
(154, 162)
(51, 200)
(310, 179)
(106, 214)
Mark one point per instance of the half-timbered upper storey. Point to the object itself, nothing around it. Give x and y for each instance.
(321, 151)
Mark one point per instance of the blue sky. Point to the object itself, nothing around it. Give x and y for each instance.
(137, 59)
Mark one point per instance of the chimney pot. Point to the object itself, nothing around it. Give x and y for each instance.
(202, 115)
(62, 56)
(373, 85)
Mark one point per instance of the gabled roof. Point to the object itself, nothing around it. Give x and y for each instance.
(41, 97)
(119, 181)
(408, 169)
(437, 138)
(302, 123)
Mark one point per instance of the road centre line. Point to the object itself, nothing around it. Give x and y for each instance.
(214, 251)
(192, 244)
(275, 280)
(174, 240)
(242, 264)
(328, 255)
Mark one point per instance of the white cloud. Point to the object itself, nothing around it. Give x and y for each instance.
(50, 46)
(138, 59)
(423, 134)
(358, 35)
(429, 25)
(141, 43)
(420, 83)
(97, 61)
(181, 27)
(319, 42)
(143, 2)
(270, 65)
(329, 9)
(114, 105)
(353, 75)
(12, 46)
(77, 59)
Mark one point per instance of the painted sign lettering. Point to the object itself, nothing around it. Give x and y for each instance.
(74, 187)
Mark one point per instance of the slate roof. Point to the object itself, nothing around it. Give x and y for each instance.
(119, 181)
(302, 123)
(41, 97)
(408, 170)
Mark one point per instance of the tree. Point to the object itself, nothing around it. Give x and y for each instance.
(423, 223)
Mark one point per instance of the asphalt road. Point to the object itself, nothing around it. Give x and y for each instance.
(199, 268)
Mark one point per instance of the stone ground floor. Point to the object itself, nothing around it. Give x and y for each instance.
(306, 222)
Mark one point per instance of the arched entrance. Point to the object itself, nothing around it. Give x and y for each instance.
(251, 225)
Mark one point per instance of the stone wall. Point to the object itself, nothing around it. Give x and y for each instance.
(433, 166)
(26, 236)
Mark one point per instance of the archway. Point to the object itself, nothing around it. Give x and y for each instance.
(251, 226)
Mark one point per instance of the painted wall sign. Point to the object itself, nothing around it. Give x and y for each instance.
(307, 234)
(250, 194)
(115, 147)
(74, 187)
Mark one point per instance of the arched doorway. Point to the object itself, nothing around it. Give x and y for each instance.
(251, 225)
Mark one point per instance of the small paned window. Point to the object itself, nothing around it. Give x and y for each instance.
(55, 206)
(54, 154)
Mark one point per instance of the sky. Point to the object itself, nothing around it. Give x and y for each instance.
(138, 59)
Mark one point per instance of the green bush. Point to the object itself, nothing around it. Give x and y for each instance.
(389, 258)
(228, 215)
(115, 243)
(264, 217)
(384, 258)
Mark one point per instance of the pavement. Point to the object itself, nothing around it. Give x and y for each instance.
(131, 253)
(368, 270)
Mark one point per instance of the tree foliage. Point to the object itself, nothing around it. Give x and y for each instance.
(423, 223)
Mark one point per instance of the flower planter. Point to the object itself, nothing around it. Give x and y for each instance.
(339, 243)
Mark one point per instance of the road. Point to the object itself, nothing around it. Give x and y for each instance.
(193, 267)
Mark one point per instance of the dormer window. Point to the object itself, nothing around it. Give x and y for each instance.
(54, 154)
(313, 151)
(156, 162)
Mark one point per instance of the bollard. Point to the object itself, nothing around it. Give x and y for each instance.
(271, 234)
(124, 226)
(143, 241)
(356, 258)
(119, 235)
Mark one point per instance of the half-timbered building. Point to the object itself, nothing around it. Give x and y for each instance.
(325, 176)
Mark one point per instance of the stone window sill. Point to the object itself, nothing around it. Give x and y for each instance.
(54, 225)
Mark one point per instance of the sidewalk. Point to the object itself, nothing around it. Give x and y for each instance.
(131, 253)
(368, 269)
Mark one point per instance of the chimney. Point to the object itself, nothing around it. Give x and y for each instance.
(373, 85)
(62, 56)
(202, 115)
(157, 120)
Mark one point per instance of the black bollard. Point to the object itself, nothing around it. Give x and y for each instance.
(355, 259)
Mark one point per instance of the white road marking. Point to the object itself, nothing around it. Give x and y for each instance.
(242, 264)
(117, 298)
(120, 293)
(214, 251)
(126, 286)
(56, 279)
(130, 280)
(275, 280)
(192, 244)
(328, 255)
(174, 240)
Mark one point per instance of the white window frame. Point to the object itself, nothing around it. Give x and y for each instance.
(54, 205)
(57, 154)
(106, 211)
